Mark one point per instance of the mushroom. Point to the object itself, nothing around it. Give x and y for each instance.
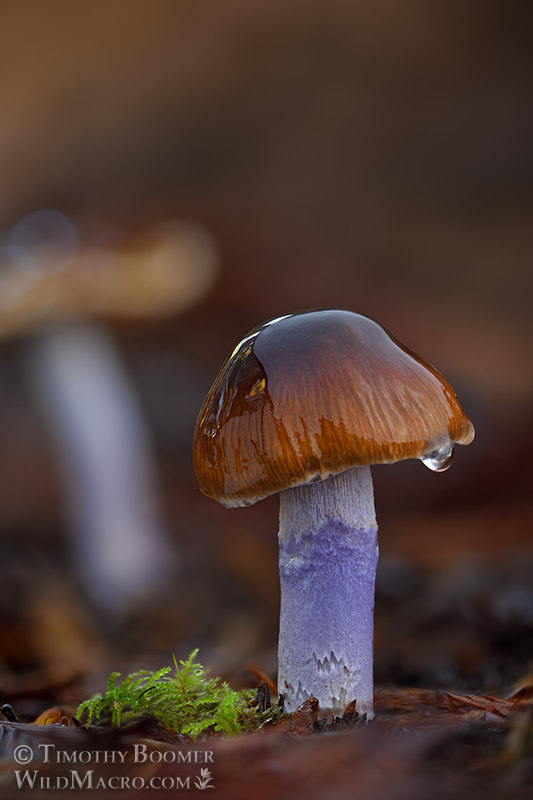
(52, 290)
(303, 406)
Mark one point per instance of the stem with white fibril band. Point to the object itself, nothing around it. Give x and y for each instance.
(328, 558)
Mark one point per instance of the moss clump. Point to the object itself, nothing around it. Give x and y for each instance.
(187, 701)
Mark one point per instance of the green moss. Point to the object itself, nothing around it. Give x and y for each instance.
(186, 701)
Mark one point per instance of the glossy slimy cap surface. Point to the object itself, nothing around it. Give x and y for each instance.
(309, 395)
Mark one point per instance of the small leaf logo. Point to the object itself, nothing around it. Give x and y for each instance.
(204, 779)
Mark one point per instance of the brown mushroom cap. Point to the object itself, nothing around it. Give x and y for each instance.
(313, 394)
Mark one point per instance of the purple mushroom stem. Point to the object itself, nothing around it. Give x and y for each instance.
(328, 557)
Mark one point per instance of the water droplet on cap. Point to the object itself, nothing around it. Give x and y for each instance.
(439, 459)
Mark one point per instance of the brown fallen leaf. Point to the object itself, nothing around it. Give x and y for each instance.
(304, 720)
(408, 700)
(490, 705)
(523, 689)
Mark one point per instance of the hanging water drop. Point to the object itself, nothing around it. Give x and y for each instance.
(439, 459)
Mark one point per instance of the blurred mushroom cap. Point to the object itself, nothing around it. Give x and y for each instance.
(309, 395)
(167, 270)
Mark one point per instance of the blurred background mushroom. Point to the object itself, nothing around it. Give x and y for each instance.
(373, 156)
(51, 289)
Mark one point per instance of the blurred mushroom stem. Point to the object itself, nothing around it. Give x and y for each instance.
(103, 446)
(328, 559)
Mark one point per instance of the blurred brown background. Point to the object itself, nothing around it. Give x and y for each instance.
(374, 156)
